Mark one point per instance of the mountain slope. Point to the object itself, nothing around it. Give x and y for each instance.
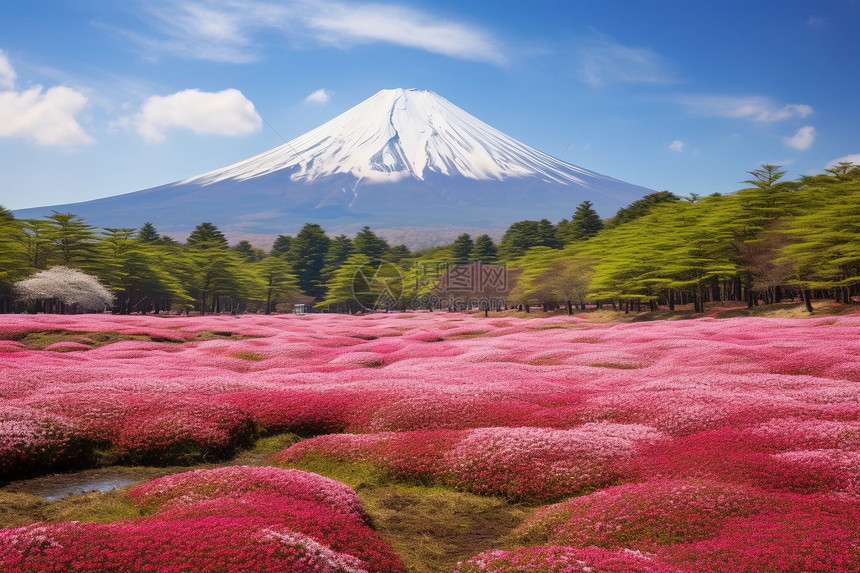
(399, 161)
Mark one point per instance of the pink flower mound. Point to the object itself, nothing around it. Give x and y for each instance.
(405, 455)
(536, 463)
(32, 441)
(818, 534)
(644, 516)
(736, 456)
(554, 559)
(11, 346)
(799, 434)
(519, 463)
(229, 519)
(152, 428)
(190, 488)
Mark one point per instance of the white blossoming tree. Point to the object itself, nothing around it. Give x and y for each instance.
(61, 289)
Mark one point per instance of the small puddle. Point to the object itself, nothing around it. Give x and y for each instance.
(58, 486)
(53, 493)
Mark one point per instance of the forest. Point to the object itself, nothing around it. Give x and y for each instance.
(770, 241)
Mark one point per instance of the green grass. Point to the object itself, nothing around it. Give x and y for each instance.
(432, 527)
(18, 508)
(38, 340)
(616, 365)
(249, 356)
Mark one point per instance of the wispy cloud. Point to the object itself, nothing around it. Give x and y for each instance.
(343, 25)
(227, 112)
(7, 72)
(229, 30)
(46, 117)
(318, 96)
(677, 146)
(755, 108)
(603, 61)
(802, 139)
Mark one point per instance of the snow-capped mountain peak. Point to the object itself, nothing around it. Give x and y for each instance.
(401, 133)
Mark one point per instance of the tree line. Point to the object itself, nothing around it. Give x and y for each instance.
(771, 240)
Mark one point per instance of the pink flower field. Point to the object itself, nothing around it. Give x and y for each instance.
(695, 445)
(231, 519)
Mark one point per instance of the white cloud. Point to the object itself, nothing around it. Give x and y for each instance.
(318, 96)
(802, 139)
(755, 108)
(341, 24)
(45, 117)
(225, 30)
(7, 72)
(853, 158)
(677, 146)
(605, 61)
(227, 112)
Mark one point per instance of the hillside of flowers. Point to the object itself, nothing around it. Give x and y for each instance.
(694, 445)
(201, 522)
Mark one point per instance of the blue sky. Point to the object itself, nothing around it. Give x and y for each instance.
(100, 98)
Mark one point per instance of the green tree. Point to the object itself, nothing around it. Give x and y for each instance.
(640, 208)
(281, 246)
(345, 281)
(135, 272)
(247, 252)
(216, 276)
(72, 237)
(339, 250)
(398, 253)
(766, 176)
(461, 248)
(307, 258)
(824, 246)
(585, 223)
(524, 235)
(277, 279)
(36, 243)
(206, 236)
(485, 249)
(370, 244)
(12, 267)
(148, 234)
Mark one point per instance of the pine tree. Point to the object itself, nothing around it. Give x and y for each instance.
(370, 244)
(148, 234)
(72, 237)
(585, 222)
(307, 258)
(206, 236)
(462, 247)
(485, 250)
(281, 246)
(640, 208)
(248, 252)
(277, 279)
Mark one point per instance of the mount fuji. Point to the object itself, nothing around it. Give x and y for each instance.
(409, 163)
